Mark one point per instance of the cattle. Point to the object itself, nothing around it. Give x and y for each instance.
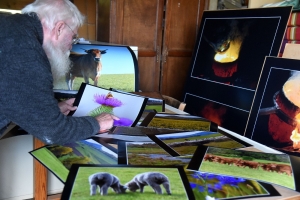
(209, 157)
(270, 167)
(283, 168)
(86, 66)
(246, 163)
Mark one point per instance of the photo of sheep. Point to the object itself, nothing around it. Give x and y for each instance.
(125, 182)
(208, 185)
(59, 159)
(266, 167)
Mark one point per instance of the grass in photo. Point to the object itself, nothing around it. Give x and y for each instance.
(81, 187)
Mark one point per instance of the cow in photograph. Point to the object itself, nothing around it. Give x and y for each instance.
(105, 180)
(283, 169)
(88, 66)
(246, 163)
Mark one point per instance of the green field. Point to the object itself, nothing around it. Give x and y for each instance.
(60, 165)
(125, 82)
(81, 189)
(138, 155)
(258, 174)
(186, 149)
(51, 162)
(190, 125)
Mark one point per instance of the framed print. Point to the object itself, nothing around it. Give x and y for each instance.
(279, 169)
(127, 182)
(100, 65)
(274, 117)
(227, 62)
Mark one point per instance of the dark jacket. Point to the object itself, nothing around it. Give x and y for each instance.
(26, 85)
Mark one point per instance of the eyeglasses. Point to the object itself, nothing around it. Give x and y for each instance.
(75, 38)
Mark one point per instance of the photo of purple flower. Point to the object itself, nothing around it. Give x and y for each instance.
(218, 186)
(107, 104)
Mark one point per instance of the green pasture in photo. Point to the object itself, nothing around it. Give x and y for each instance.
(188, 149)
(258, 174)
(81, 187)
(124, 82)
(145, 149)
(187, 124)
(51, 162)
(135, 159)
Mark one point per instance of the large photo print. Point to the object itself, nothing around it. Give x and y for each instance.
(228, 58)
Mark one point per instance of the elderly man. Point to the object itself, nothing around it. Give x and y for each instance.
(34, 50)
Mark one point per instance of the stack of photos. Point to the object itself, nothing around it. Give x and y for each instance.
(59, 159)
(279, 169)
(92, 101)
(227, 62)
(127, 182)
(274, 117)
(172, 148)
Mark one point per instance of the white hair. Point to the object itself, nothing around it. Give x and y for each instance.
(52, 11)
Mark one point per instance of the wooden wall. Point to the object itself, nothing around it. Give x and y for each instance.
(87, 7)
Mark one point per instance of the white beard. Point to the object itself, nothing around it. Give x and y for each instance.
(60, 63)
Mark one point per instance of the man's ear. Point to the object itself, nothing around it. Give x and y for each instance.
(59, 26)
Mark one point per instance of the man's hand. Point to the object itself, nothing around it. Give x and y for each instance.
(67, 106)
(105, 121)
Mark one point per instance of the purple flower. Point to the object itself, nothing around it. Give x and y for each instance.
(201, 188)
(107, 101)
(193, 185)
(218, 186)
(123, 122)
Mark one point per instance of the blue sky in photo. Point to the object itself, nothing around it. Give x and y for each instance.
(116, 60)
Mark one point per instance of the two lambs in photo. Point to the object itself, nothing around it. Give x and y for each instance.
(105, 180)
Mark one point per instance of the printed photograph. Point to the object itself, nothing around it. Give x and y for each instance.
(274, 118)
(96, 182)
(186, 143)
(226, 116)
(266, 167)
(59, 159)
(100, 65)
(228, 58)
(94, 101)
(150, 153)
(225, 51)
(217, 186)
(180, 122)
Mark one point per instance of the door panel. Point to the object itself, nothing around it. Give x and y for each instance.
(141, 26)
(180, 32)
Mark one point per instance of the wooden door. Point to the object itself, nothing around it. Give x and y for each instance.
(182, 22)
(139, 23)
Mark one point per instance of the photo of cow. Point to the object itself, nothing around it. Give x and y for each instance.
(265, 167)
(100, 65)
